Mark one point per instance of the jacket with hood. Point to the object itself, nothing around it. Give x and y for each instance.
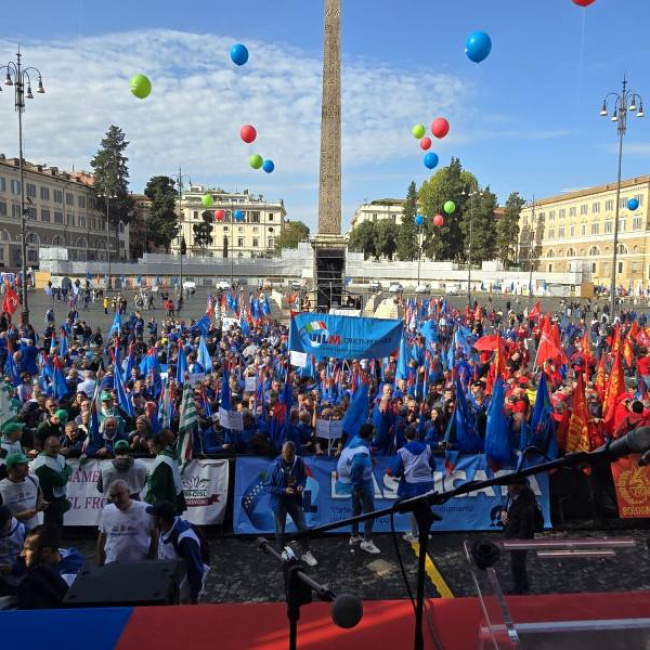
(413, 464)
(128, 469)
(354, 468)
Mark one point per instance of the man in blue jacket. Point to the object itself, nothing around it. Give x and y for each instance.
(286, 483)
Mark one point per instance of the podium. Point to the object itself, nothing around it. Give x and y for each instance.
(500, 628)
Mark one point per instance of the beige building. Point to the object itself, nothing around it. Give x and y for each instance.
(575, 231)
(254, 236)
(380, 210)
(61, 212)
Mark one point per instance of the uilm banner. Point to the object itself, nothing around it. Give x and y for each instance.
(632, 485)
(205, 484)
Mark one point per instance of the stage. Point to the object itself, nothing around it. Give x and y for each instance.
(263, 626)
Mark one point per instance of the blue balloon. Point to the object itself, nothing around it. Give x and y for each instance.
(632, 204)
(239, 215)
(419, 220)
(478, 46)
(268, 166)
(239, 54)
(431, 160)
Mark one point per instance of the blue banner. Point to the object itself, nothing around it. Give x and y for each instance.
(322, 505)
(344, 337)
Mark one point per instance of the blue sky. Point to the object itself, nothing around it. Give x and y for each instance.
(526, 119)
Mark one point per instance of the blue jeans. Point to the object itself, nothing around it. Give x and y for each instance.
(294, 510)
(363, 501)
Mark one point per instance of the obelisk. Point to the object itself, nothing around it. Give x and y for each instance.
(329, 246)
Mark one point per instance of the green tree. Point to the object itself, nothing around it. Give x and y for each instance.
(292, 234)
(508, 229)
(162, 221)
(202, 234)
(479, 212)
(406, 244)
(111, 179)
(364, 238)
(386, 239)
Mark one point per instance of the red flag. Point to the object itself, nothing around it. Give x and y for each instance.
(578, 436)
(546, 350)
(628, 349)
(616, 343)
(536, 311)
(11, 301)
(615, 388)
(601, 381)
(209, 310)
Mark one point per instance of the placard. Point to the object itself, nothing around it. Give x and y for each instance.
(298, 359)
(196, 378)
(329, 429)
(231, 420)
(250, 384)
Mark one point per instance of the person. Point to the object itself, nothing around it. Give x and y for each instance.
(164, 478)
(21, 492)
(53, 426)
(54, 473)
(12, 538)
(355, 477)
(126, 531)
(42, 587)
(179, 540)
(131, 470)
(286, 483)
(518, 519)
(12, 433)
(413, 464)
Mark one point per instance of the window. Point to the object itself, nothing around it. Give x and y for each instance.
(550, 268)
(15, 210)
(271, 242)
(225, 228)
(609, 205)
(551, 233)
(240, 242)
(560, 232)
(270, 216)
(196, 214)
(58, 196)
(583, 229)
(256, 229)
(81, 201)
(595, 227)
(638, 197)
(32, 238)
(122, 243)
(620, 267)
(594, 250)
(572, 212)
(584, 209)
(572, 231)
(634, 267)
(562, 213)
(70, 220)
(15, 187)
(32, 255)
(69, 199)
(609, 228)
(93, 223)
(255, 217)
(636, 223)
(45, 193)
(32, 214)
(45, 215)
(3, 184)
(58, 217)
(3, 209)
(621, 225)
(240, 228)
(595, 208)
(374, 217)
(622, 202)
(622, 249)
(93, 203)
(256, 243)
(270, 229)
(525, 221)
(542, 215)
(82, 222)
(551, 215)
(31, 190)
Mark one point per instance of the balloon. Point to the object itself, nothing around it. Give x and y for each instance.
(632, 204)
(256, 161)
(418, 131)
(438, 220)
(431, 160)
(239, 215)
(440, 127)
(207, 200)
(449, 207)
(248, 133)
(478, 46)
(220, 215)
(140, 86)
(419, 220)
(268, 166)
(583, 3)
(425, 143)
(239, 54)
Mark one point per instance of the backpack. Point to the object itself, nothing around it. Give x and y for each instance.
(204, 545)
(539, 519)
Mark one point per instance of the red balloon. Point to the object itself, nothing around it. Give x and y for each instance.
(248, 133)
(583, 3)
(219, 215)
(438, 220)
(425, 143)
(440, 127)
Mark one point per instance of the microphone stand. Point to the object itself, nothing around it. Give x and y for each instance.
(421, 506)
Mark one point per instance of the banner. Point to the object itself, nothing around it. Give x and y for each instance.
(205, 484)
(344, 337)
(632, 485)
(323, 505)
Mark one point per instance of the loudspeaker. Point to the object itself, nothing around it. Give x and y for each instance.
(150, 582)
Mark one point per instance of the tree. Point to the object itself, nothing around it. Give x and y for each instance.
(162, 221)
(406, 244)
(202, 234)
(292, 234)
(386, 238)
(364, 238)
(111, 179)
(479, 212)
(508, 228)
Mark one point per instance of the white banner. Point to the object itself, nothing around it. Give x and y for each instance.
(205, 484)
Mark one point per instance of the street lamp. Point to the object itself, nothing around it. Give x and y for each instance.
(18, 77)
(182, 246)
(530, 255)
(622, 102)
(471, 195)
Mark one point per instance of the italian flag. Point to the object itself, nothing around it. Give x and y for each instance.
(186, 425)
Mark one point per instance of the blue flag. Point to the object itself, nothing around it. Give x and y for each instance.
(357, 413)
(498, 452)
(117, 324)
(181, 365)
(402, 360)
(122, 398)
(203, 324)
(203, 356)
(59, 386)
(462, 434)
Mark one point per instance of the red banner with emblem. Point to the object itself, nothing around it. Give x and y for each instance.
(632, 485)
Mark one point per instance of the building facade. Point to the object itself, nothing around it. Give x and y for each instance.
(254, 236)
(381, 210)
(61, 211)
(575, 231)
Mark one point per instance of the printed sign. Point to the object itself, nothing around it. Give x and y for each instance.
(632, 485)
(329, 429)
(250, 384)
(231, 420)
(298, 359)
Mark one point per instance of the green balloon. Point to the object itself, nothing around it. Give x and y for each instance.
(419, 131)
(256, 161)
(207, 200)
(140, 86)
(449, 207)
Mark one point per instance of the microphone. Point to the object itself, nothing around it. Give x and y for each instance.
(635, 442)
(346, 611)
